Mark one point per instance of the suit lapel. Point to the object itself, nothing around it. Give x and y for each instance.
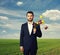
(32, 31)
(32, 28)
(27, 28)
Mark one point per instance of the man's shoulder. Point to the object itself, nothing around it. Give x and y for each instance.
(24, 24)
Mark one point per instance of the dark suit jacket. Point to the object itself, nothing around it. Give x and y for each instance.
(27, 40)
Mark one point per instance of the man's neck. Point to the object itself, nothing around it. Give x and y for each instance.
(30, 22)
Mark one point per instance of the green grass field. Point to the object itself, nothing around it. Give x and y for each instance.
(45, 47)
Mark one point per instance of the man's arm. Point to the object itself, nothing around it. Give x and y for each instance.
(21, 38)
(38, 32)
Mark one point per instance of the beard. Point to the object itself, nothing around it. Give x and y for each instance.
(30, 20)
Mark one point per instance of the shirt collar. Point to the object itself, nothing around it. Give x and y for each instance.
(30, 22)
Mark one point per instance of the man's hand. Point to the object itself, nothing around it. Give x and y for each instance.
(21, 48)
(34, 30)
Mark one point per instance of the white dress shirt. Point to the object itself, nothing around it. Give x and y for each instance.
(30, 26)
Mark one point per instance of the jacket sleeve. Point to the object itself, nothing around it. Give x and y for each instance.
(38, 32)
(21, 35)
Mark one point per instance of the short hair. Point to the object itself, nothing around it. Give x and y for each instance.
(30, 12)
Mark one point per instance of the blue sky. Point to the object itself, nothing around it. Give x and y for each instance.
(13, 14)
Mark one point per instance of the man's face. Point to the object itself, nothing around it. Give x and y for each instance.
(30, 17)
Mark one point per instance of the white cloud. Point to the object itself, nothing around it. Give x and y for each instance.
(13, 12)
(4, 31)
(53, 31)
(3, 18)
(12, 25)
(19, 3)
(52, 14)
(8, 25)
(51, 27)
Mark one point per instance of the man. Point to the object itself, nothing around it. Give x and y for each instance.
(28, 36)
